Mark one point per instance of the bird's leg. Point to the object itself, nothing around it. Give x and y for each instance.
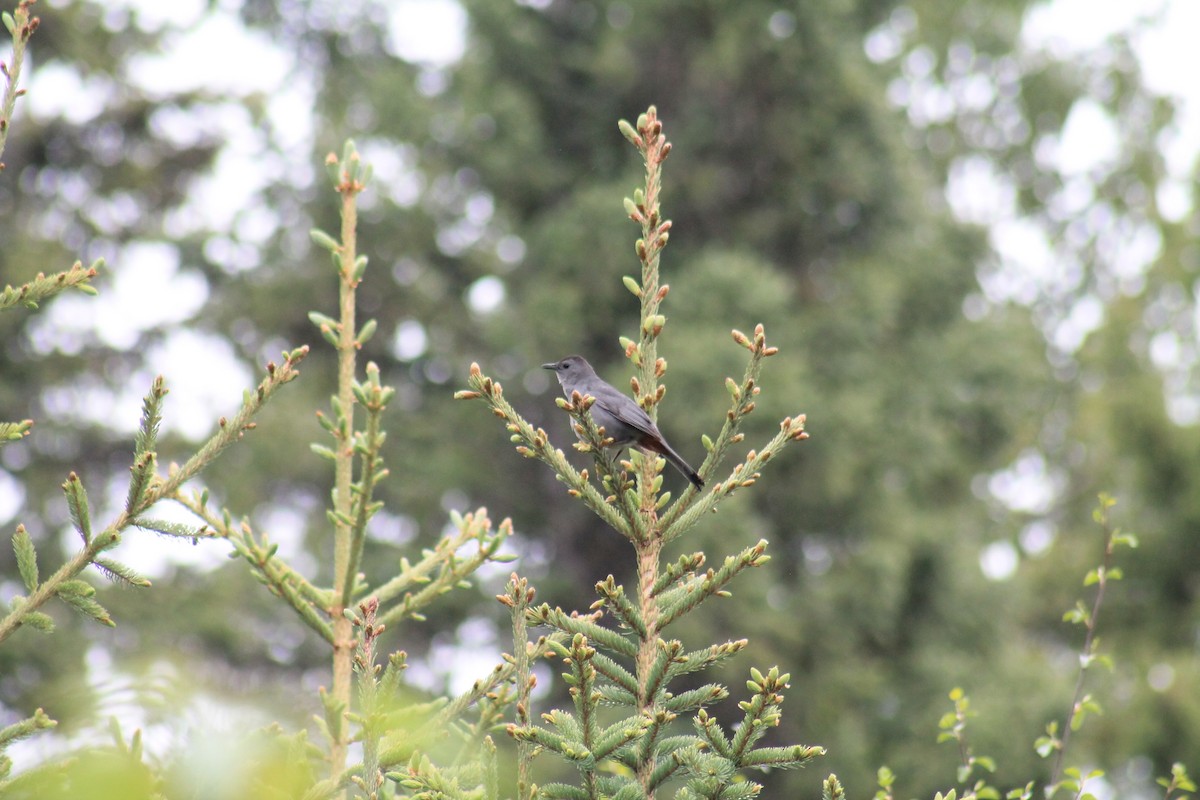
(612, 462)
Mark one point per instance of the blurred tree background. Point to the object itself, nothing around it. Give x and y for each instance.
(868, 179)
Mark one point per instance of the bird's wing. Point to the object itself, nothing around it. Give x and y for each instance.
(627, 411)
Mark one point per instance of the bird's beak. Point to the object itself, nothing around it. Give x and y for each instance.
(553, 366)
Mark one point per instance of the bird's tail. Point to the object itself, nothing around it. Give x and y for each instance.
(677, 461)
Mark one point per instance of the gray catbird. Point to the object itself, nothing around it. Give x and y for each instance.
(623, 420)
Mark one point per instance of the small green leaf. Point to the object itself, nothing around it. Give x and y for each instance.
(365, 333)
(141, 474)
(39, 621)
(323, 452)
(77, 505)
(75, 588)
(147, 436)
(626, 130)
(322, 321)
(118, 572)
(79, 595)
(1045, 745)
(323, 239)
(167, 527)
(26, 558)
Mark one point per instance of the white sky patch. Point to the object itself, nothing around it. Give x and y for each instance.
(205, 377)
(148, 290)
(978, 193)
(289, 109)
(1134, 250)
(12, 496)
(241, 170)
(216, 55)
(1066, 27)
(1089, 138)
(410, 340)
(1029, 485)
(1161, 676)
(999, 561)
(1167, 51)
(284, 525)
(458, 662)
(153, 15)
(1024, 249)
(429, 32)
(201, 371)
(57, 90)
(510, 250)
(1037, 536)
(486, 294)
(395, 167)
(1164, 43)
(1032, 265)
(1085, 316)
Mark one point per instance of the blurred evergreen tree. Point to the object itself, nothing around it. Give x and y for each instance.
(813, 143)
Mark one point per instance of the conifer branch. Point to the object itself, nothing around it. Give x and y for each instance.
(377, 697)
(831, 789)
(21, 26)
(374, 398)
(633, 667)
(534, 443)
(573, 624)
(44, 286)
(436, 726)
(146, 489)
(624, 682)
(686, 597)
(349, 177)
(518, 597)
(231, 430)
(14, 431)
(309, 602)
(25, 728)
(442, 569)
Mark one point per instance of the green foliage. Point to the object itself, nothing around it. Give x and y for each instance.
(802, 200)
(21, 26)
(1178, 782)
(44, 287)
(631, 667)
(1070, 779)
